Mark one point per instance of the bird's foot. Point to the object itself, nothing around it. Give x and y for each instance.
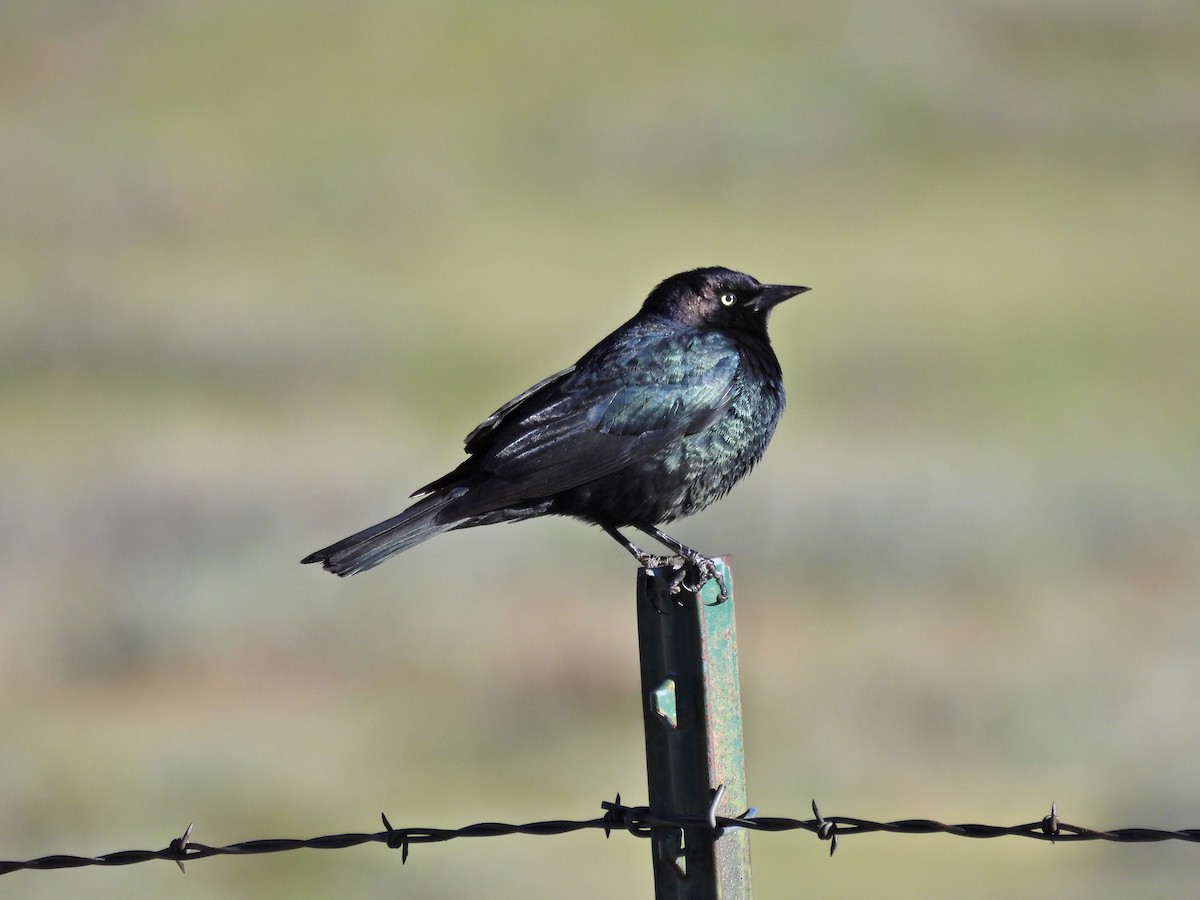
(703, 568)
(667, 573)
(650, 561)
(688, 574)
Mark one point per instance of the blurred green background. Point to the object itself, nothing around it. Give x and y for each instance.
(263, 265)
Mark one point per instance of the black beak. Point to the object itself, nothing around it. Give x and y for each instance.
(771, 294)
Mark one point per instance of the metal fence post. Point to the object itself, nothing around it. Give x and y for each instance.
(693, 719)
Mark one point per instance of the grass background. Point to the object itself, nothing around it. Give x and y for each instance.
(263, 265)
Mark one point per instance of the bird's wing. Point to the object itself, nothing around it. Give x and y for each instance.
(476, 441)
(596, 419)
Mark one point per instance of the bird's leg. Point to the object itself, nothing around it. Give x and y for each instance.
(650, 561)
(704, 567)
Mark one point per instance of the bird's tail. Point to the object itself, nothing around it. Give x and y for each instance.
(373, 545)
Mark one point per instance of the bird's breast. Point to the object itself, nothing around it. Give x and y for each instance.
(721, 455)
(699, 466)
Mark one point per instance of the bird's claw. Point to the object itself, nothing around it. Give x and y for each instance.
(688, 575)
(650, 561)
(667, 572)
(704, 569)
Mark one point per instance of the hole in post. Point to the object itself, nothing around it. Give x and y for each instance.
(669, 844)
(662, 698)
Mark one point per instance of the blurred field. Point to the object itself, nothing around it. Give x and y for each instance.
(263, 266)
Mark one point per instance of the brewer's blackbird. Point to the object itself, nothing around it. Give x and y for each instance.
(655, 422)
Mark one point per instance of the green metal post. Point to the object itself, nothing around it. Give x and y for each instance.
(693, 719)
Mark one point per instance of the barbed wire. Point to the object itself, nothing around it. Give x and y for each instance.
(637, 820)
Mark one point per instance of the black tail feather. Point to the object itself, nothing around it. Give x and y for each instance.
(373, 545)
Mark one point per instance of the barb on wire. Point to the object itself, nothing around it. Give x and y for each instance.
(180, 844)
(826, 831)
(637, 820)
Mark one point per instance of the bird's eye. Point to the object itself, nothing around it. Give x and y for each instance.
(728, 299)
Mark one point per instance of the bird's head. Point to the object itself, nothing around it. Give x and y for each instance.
(716, 297)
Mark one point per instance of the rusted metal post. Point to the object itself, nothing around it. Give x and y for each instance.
(693, 718)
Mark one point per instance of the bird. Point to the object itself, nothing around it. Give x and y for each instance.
(656, 422)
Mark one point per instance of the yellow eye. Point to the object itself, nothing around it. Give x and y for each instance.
(728, 299)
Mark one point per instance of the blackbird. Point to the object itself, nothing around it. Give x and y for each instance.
(657, 421)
